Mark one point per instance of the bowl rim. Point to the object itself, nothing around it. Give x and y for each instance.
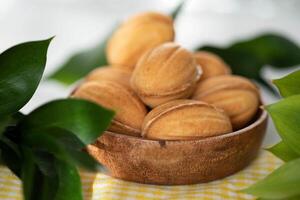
(262, 116)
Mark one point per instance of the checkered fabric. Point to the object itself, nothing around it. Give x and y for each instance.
(100, 186)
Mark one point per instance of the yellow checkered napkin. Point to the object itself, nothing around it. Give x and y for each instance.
(99, 186)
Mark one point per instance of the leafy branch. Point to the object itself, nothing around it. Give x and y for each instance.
(284, 182)
(44, 147)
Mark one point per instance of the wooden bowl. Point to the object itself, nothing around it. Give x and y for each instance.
(179, 162)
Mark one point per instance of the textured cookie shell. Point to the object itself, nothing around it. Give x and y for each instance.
(185, 120)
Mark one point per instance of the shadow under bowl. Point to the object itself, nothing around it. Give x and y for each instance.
(179, 162)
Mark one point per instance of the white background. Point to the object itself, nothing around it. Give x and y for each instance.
(79, 24)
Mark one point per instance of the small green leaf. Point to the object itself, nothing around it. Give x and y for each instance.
(83, 118)
(8, 124)
(45, 142)
(47, 181)
(63, 145)
(10, 155)
(83, 160)
(69, 182)
(44, 161)
(281, 184)
(63, 184)
(48, 187)
(61, 180)
(21, 68)
(30, 179)
(248, 57)
(36, 185)
(177, 10)
(285, 115)
(284, 152)
(9, 148)
(83, 62)
(289, 85)
(3, 123)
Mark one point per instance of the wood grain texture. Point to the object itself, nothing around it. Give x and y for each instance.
(179, 162)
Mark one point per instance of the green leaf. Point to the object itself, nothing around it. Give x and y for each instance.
(31, 177)
(248, 57)
(83, 62)
(83, 118)
(83, 160)
(63, 145)
(48, 186)
(281, 184)
(46, 180)
(285, 115)
(9, 148)
(44, 161)
(78, 124)
(36, 185)
(8, 124)
(3, 123)
(62, 184)
(10, 155)
(69, 182)
(284, 152)
(289, 85)
(177, 10)
(21, 68)
(45, 142)
(29, 171)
